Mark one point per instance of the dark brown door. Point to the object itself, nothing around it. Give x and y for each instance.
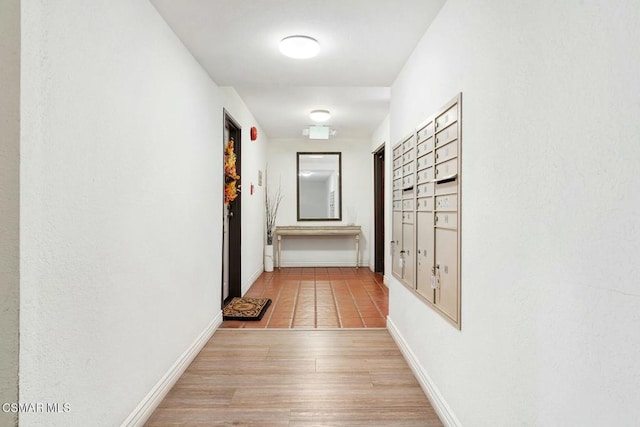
(232, 233)
(378, 186)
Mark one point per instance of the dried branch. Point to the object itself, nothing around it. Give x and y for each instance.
(272, 204)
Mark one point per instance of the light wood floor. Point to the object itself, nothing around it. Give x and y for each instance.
(339, 377)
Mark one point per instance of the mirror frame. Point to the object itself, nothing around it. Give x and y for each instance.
(339, 154)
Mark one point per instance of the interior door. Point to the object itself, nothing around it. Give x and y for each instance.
(379, 189)
(225, 239)
(232, 223)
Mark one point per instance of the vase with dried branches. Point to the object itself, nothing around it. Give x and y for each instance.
(272, 204)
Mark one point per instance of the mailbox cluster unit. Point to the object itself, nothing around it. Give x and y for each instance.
(426, 211)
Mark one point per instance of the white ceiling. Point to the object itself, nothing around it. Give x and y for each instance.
(364, 44)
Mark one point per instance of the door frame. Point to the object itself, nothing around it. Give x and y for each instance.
(378, 211)
(235, 215)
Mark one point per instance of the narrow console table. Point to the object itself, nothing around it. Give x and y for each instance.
(323, 230)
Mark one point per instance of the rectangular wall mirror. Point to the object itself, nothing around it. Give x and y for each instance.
(319, 186)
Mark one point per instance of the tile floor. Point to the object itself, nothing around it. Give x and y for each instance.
(320, 297)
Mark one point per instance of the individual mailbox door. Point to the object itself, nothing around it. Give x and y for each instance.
(409, 256)
(424, 255)
(396, 246)
(446, 263)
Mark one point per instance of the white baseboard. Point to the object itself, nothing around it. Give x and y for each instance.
(385, 281)
(445, 413)
(322, 264)
(151, 401)
(256, 274)
(253, 278)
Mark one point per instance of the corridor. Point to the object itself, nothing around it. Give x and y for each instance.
(343, 370)
(284, 377)
(320, 297)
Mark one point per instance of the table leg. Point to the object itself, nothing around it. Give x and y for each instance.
(279, 252)
(357, 250)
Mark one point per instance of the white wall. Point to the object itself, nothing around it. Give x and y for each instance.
(550, 291)
(121, 209)
(357, 183)
(381, 136)
(9, 203)
(253, 160)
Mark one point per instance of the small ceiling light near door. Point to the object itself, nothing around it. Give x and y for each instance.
(299, 47)
(320, 115)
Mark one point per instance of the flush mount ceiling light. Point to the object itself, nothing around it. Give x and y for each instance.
(299, 47)
(320, 115)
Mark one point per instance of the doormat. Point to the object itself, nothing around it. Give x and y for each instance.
(246, 308)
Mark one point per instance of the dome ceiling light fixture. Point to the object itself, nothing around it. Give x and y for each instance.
(320, 115)
(299, 47)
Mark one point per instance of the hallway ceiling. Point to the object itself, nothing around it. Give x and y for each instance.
(364, 44)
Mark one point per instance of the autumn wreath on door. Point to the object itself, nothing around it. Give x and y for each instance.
(231, 188)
